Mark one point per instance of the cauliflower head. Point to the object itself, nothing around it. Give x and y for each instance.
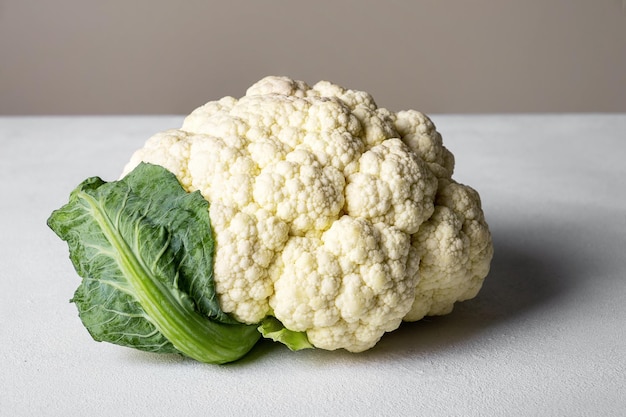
(338, 217)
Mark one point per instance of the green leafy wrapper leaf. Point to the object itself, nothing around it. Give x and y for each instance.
(272, 328)
(144, 247)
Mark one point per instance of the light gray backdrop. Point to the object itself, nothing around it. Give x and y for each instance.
(160, 56)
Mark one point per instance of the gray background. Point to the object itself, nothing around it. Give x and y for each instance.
(158, 56)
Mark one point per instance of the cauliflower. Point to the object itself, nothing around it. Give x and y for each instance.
(335, 216)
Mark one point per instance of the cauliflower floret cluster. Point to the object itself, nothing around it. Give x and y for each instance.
(338, 217)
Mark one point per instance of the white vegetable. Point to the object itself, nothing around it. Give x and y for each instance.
(336, 216)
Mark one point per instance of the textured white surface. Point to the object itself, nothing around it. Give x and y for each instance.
(545, 337)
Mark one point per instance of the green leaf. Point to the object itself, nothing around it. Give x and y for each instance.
(272, 328)
(144, 247)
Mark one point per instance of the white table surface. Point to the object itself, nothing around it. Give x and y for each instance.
(545, 337)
